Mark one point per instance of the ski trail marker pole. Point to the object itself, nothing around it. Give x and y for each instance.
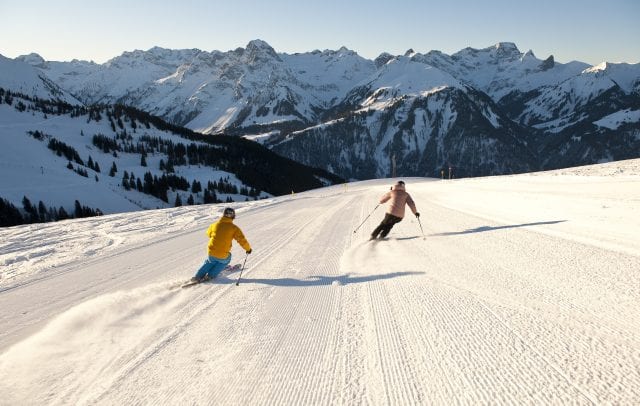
(240, 276)
(374, 209)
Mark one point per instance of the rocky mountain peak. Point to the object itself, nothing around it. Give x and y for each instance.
(547, 63)
(258, 45)
(32, 59)
(507, 50)
(258, 50)
(528, 54)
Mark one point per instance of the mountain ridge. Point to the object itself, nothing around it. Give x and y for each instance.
(274, 97)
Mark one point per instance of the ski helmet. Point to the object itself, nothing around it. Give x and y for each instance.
(229, 212)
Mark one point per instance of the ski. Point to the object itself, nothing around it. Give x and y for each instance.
(228, 269)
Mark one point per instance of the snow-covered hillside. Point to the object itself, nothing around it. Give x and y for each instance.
(31, 169)
(20, 76)
(119, 159)
(513, 290)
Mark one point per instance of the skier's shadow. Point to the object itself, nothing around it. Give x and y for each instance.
(319, 280)
(488, 228)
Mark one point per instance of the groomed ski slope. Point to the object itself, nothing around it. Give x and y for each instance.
(523, 290)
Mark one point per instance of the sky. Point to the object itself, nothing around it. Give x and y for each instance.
(589, 31)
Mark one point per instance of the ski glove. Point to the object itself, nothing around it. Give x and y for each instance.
(249, 252)
(417, 215)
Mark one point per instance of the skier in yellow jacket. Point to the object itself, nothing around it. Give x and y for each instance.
(221, 234)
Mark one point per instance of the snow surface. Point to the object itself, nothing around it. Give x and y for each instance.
(615, 120)
(19, 76)
(523, 290)
(30, 169)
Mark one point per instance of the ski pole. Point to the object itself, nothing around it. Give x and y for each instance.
(240, 276)
(421, 227)
(374, 209)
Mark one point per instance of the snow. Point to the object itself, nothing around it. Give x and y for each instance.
(262, 138)
(401, 76)
(21, 77)
(501, 69)
(30, 169)
(615, 120)
(624, 75)
(522, 289)
(331, 73)
(209, 91)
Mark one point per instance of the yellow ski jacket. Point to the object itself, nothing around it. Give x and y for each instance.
(220, 234)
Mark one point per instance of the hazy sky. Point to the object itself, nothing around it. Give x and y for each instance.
(588, 30)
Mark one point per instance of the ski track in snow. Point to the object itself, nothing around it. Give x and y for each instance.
(478, 311)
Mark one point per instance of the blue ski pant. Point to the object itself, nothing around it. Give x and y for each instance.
(213, 266)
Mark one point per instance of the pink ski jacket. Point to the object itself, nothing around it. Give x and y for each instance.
(398, 197)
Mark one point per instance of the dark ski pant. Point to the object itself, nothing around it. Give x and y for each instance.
(385, 226)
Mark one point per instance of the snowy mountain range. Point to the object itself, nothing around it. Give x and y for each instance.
(482, 111)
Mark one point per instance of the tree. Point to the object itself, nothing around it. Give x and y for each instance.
(143, 160)
(190, 200)
(31, 211)
(125, 181)
(196, 186)
(169, 166)
(42, 211)
(113, 170)
(9, 214)
(178, 202)
(62, 214)
(148, 183)
(78, 209)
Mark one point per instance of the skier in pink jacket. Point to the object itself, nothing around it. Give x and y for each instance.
(397, 197)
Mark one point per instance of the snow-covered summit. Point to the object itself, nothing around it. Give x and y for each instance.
(402, 76)
(625, 75)
(502, 51)
(259, 51)
(20, 76)
(32, 59)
